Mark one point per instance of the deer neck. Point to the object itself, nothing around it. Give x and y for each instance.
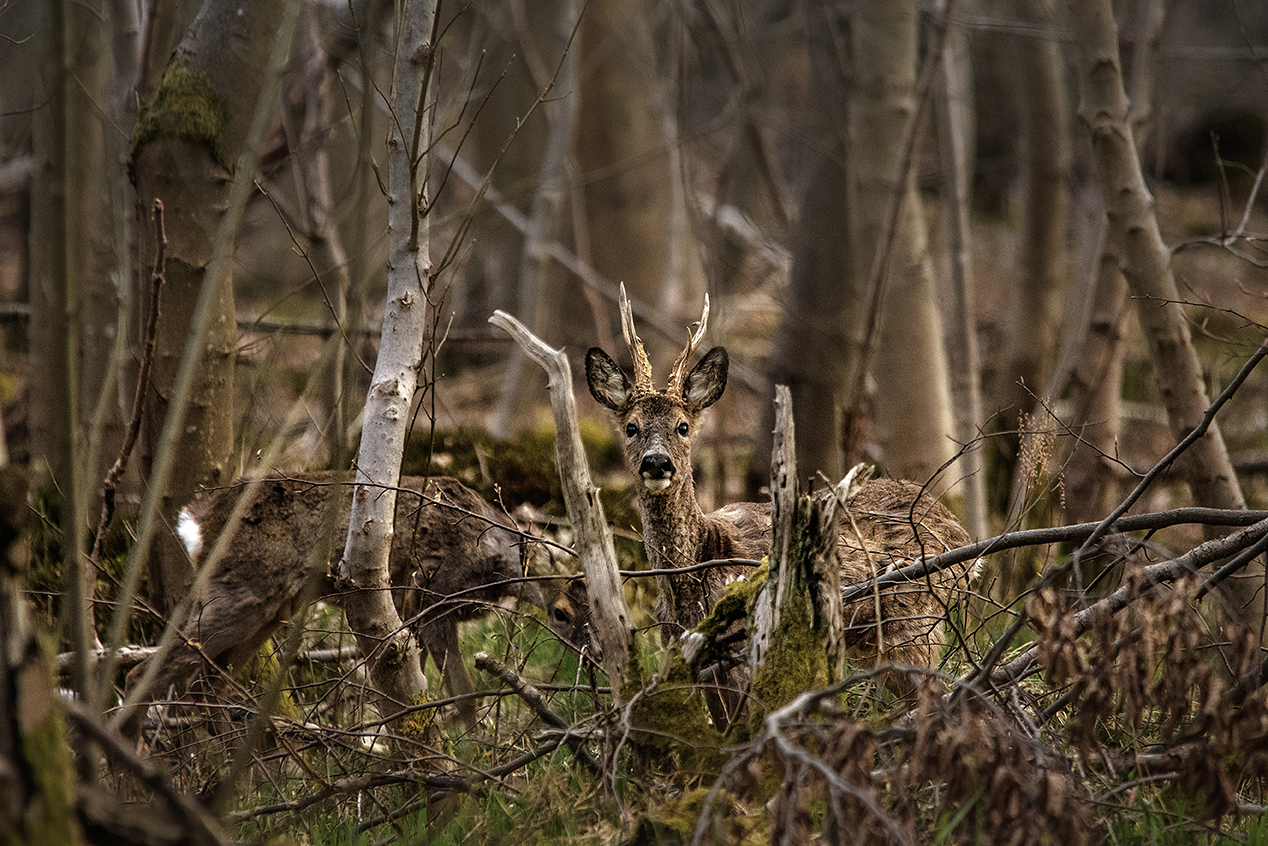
(674, 530)
(673, 527)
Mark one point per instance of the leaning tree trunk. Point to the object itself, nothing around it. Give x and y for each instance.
(610, 617)
(1146, 265)
(1092, 472)
(392, 652)
(187, 141)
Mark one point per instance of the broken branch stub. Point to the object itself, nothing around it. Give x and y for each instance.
(797, 622)
(610, 618)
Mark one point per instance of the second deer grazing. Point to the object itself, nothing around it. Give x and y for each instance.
(453, 560)
(901, 624)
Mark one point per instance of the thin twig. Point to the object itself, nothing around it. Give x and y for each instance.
(533, 698)
(120, 465)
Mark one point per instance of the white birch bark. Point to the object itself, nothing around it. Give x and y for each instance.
(391, 650)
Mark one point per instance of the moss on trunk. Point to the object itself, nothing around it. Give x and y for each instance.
(185, 107)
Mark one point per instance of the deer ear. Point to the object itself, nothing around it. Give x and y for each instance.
(607, 383)
(707, 380)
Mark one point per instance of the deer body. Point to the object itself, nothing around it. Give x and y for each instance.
(891, 522)
(452, 561)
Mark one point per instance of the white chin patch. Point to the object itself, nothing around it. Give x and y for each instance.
(656, 485)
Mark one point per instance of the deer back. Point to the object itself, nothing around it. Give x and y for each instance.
(449, 546)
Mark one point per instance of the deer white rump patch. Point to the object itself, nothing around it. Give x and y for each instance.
(191, 534)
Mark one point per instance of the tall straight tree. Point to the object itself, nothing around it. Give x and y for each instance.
(188, 139)
(1041, 98)
(82, 50)
(622, 152)
(807, 354)
(912, 402)
(1146, 265)
(863, 58)
(392, 650)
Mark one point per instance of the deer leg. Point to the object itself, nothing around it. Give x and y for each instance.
(440, 640)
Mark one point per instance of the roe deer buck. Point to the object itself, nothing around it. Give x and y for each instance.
(452, 560)
(900, 624)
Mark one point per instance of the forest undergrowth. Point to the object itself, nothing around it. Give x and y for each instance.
(1127, 712)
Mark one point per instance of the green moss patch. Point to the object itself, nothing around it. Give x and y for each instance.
(184, 107)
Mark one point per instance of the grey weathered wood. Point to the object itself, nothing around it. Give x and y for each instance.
(804, 560)
(610, 618)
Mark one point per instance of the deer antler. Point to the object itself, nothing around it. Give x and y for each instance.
(680, 366)
(642, 365)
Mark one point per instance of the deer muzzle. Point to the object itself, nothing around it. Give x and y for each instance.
(657, 471)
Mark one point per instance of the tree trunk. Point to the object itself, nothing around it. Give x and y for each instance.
(621, 153)
(35, 768)
(1044, 283)
(912, 400)
(808, 354)
(1146, 265)
(307, 119)
(188, 138)
(1092, 474)
(541, 293)
(391, 650)
(611, 620)
(75, 416)
(955, 146)
(797, 640)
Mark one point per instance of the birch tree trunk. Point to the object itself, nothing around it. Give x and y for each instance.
(391, 650)
(1104, 108)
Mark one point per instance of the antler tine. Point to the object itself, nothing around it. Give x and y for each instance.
(680, 366)
(642, 365)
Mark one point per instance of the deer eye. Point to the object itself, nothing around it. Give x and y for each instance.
(631, 429)
(684, 429)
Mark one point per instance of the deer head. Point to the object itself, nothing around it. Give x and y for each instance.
(658, 425)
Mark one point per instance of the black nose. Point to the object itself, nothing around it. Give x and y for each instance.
(657, 467)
